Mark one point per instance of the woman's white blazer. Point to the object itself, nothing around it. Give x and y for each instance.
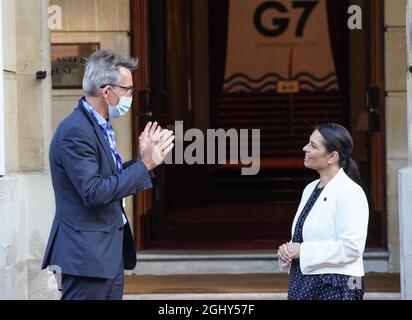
(334, 233)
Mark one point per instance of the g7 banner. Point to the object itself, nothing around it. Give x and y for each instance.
(280, 46)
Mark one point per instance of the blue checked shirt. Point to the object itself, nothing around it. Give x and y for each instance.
(110, 136)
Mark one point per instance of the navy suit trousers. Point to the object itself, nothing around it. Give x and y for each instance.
(88, 288)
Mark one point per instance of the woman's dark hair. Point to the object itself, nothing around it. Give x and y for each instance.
(337, 138)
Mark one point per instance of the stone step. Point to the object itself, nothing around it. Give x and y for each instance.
(256, 286)
(245, 296)
(184, 262)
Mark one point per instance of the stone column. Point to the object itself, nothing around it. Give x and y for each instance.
(405, 181)
(2, 156)
(26, 194)
(34, 96)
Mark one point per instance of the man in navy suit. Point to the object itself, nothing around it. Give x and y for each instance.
(90, 239)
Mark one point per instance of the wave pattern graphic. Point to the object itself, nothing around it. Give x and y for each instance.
(243, 83)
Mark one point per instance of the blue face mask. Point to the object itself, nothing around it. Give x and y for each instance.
(119, 110)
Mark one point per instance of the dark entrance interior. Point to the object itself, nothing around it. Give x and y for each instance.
(183, 46)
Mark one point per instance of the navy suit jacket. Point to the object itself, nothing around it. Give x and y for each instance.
(88, 237)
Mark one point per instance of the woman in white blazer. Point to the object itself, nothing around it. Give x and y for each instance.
(324, 257)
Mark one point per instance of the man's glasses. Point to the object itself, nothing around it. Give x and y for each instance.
(128, 90)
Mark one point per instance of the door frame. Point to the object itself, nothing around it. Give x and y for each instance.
(140, 35)
(377, 118)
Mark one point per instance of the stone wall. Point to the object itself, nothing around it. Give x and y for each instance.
(99, 21)
(27, 207)
(26, 195)
(396, 126)
(405, 182)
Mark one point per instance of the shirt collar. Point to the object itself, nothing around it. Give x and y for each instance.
(101, 121)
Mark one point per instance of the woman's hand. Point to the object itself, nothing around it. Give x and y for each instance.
(294, 250)
(289, 251)
(284, 254)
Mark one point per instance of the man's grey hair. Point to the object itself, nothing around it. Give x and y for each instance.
(102, 68)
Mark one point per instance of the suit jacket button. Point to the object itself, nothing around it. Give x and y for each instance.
(121, 228)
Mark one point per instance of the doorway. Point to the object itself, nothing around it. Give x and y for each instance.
(190, 71)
